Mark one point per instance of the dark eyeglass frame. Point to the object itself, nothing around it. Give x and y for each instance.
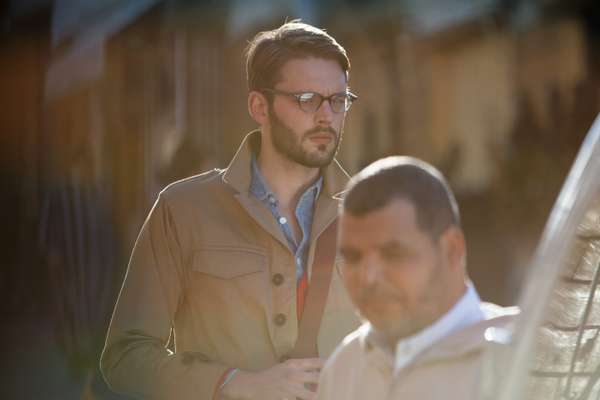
(349, 96)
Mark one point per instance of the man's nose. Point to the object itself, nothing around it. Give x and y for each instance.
(371, 272)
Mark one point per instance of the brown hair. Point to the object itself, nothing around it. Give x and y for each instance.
(268, 51)
(407, 178)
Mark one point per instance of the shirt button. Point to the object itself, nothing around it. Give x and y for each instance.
(280, 319)
(298, 261)
(277, 279)
(282, 220)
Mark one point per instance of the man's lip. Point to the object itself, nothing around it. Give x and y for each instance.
(321, 136)
(321, 140)
(377, 299)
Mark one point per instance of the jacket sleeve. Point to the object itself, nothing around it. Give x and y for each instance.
(135, 359)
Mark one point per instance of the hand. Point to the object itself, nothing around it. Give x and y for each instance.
(294, 379)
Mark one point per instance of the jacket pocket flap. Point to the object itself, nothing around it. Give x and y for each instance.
(229, 262)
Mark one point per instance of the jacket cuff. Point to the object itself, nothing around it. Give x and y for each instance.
(223, 380)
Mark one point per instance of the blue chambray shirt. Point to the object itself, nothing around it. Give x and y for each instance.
(304, 214)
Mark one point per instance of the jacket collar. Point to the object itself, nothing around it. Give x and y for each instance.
(239, 175)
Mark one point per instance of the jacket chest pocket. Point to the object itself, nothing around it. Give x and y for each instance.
(228, 274)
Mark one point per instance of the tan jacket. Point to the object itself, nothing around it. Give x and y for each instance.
(449, 369)
(212, 272)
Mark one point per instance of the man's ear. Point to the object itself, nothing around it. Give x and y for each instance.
(258, 107)
(455, 248)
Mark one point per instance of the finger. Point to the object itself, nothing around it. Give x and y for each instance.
(311, 377)
(298, 391)
(307, 363)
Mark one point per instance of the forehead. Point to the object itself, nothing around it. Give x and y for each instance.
(312, 74)
(397, 220)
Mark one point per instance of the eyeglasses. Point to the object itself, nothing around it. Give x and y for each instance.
(310, 101)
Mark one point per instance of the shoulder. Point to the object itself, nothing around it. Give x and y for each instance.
(473, 336)
(496, 315)
(193, 183)
(349, 349)
(336, 377)
(193, 188)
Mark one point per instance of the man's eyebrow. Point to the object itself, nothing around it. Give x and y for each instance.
(393, 245)
(345, 250)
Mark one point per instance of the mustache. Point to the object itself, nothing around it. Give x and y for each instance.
(321, 130)
(368, 294)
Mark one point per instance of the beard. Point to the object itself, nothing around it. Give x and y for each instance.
(394, 317)
(286, 142)
(394, 314)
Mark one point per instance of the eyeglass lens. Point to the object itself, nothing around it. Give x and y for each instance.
(310, 102)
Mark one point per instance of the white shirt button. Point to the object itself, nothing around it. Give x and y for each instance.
(282, 220)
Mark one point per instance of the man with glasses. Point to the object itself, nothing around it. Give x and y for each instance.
(231, 290)
(404, 265)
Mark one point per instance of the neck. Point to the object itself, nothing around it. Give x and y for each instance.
(286, 178)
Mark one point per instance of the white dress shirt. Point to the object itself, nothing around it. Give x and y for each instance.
(465, 312)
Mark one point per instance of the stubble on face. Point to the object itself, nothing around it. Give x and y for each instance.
(289, 144)
(403, 294)
(395, 314)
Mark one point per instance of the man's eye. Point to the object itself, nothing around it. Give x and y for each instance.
(339, 100)
(350, 257)
(393, 254)
(308, 97)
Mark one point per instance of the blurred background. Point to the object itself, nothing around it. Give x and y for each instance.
(104, 102)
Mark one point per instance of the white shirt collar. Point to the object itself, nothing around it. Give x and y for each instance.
(465, 312)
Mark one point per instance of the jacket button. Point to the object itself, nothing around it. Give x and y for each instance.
(277, 279)
(283, 359)
(280, 319)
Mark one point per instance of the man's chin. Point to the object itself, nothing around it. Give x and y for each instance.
(322, 155)
(394, 329)
(385, 317)
(318, 160)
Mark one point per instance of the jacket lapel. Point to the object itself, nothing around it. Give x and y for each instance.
(335, 179)
(238, 176)
(261, 215)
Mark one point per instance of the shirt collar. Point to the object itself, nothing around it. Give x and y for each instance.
(260, 189)
(258, 186)
(465, 312)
